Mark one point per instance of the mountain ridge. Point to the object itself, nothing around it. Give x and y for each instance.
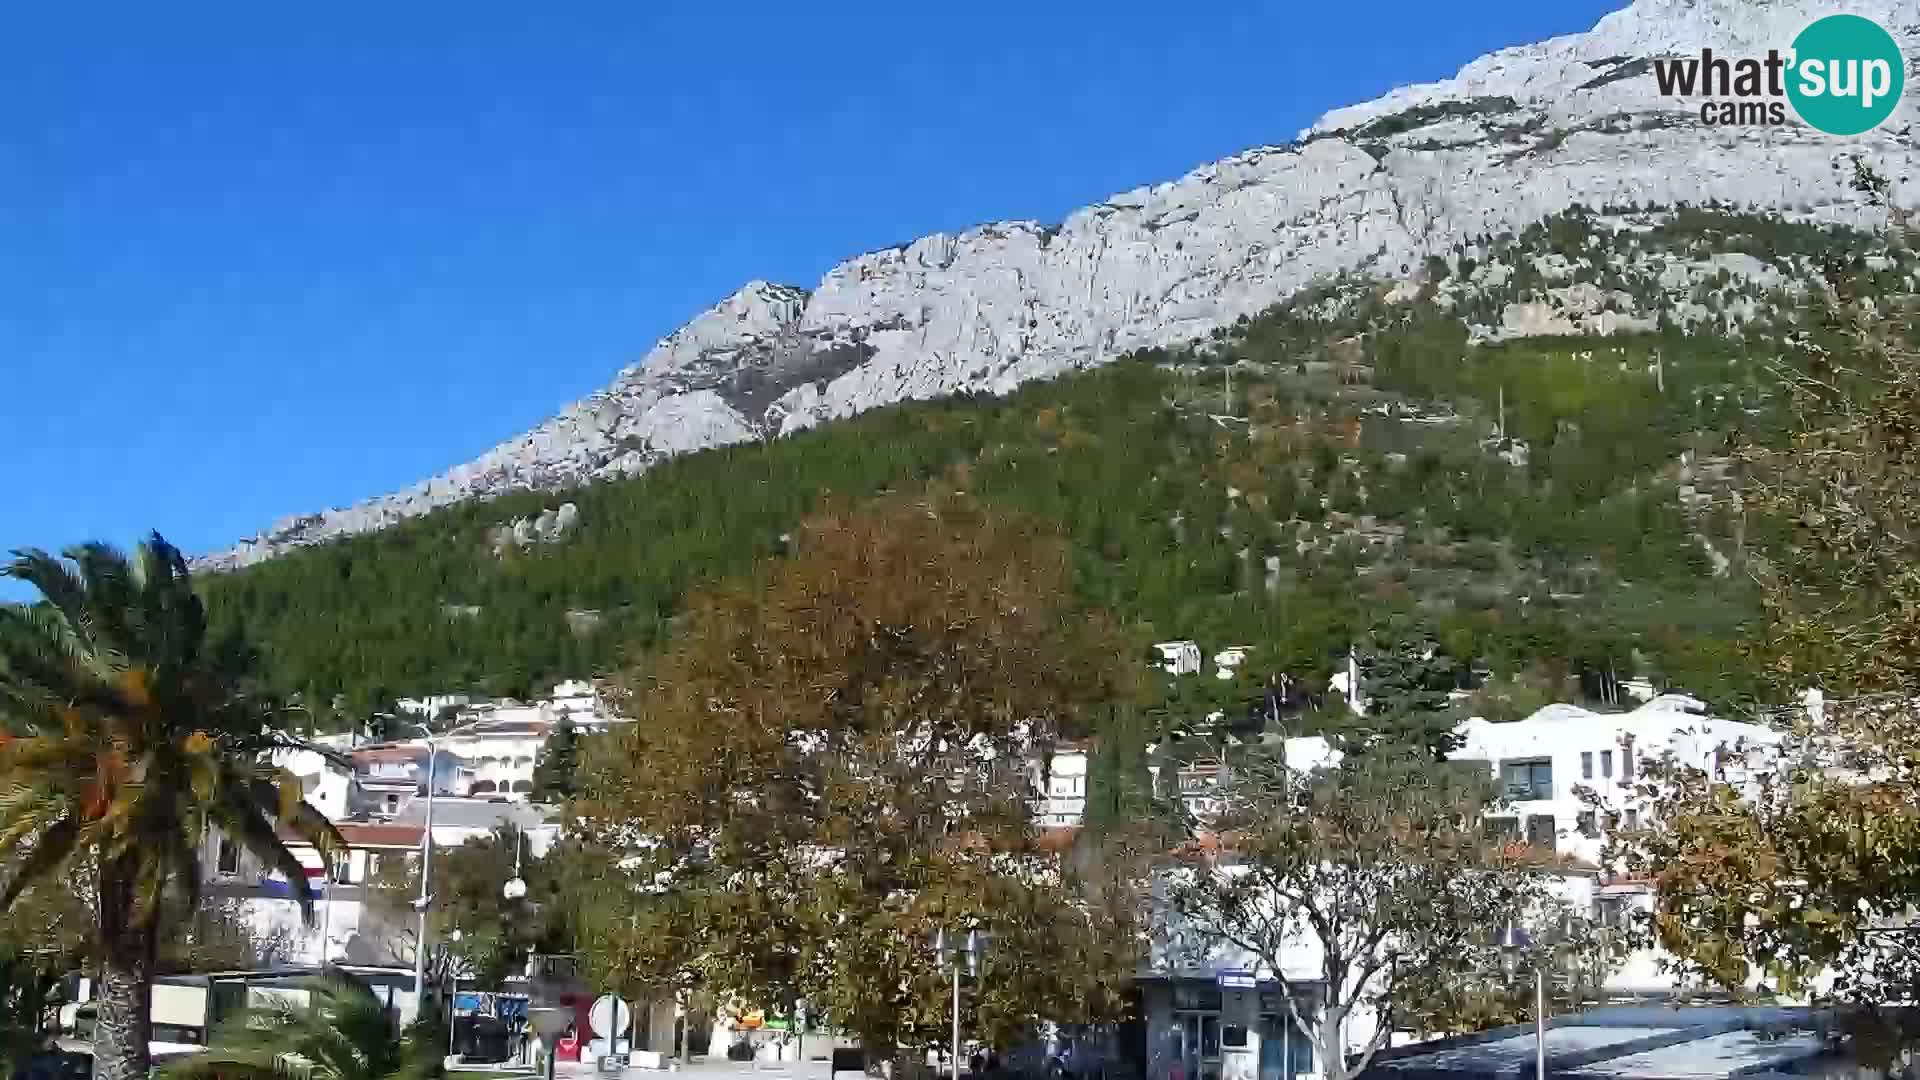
(1373, 188)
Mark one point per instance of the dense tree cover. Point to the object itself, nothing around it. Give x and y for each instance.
(1549, 505)
(129, 734)
(553, 774)
(828, 765)
(496, 934)
(1800, 874)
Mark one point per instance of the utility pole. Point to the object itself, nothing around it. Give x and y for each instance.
(1503, 410)
(1539, 1022)
(1659, 373)
(426, 865)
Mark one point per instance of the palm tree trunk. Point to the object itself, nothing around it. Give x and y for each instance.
(123, 1021)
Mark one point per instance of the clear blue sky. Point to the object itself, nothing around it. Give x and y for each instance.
(258, 259)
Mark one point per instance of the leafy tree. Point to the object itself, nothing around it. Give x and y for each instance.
(553, 774)
(340, 1033)
(129, 736)
(496, 934)
(1772, 869)
(1407, 680)
(829, 763)
(1380, 862)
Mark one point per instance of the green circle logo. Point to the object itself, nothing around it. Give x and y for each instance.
(1846, 74)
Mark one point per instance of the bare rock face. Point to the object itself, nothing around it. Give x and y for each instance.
(1375, 188)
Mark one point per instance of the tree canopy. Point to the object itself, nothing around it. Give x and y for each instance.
(129, 733)
(1382, 865)
(1795, 870)
(832, 761)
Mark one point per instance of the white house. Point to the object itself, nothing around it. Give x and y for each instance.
(431, 705)
(1228, 660)
(1179, 657)
(1062, 800)
(1544, 761)
(344, 928)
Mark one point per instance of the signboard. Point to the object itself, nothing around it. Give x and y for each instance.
(1236, 979)
(609, 1016)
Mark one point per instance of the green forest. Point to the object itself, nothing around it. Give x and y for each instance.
(1554, 513)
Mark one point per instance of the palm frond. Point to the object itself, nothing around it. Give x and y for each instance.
(51, 849)
(238, 814)
(341, 1033)
(53, 579)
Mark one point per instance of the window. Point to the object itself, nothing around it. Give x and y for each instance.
(229, 857)
(1606, 763)
(1234, 1036)
(1589, 824)
(1502, 828)
(1626, 762)
(1540, 830)
(1633, 819)
(342, 870)
(1527, 779)
(1613, 912)
(1586, 765)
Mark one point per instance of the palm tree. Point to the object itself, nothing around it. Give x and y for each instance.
(125, 737)
(341, 1033)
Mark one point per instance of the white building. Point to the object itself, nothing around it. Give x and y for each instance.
(345, 928)
(1062, 799)
(1179, 657)
(431, 705)
(1228, 660)
(1545, 762)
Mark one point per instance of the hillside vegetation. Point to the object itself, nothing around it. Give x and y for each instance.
(1560, 510)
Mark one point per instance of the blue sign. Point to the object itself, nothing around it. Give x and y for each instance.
(1236, 979)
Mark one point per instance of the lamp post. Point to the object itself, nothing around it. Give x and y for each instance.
(948, 949)
(420, 905)
(1514, 943)
(426, 865)
(453, 992)
(516, 886)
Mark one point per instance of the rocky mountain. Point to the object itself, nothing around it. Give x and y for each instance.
(1377, 189)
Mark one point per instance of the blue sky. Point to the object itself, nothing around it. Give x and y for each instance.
(258, 259)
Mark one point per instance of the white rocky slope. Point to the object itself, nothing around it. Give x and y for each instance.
(1374, 188)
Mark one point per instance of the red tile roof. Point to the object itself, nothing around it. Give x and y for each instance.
(362, 834)
(391, 753)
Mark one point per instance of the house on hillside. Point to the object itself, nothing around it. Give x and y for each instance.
(1179, 657)
(385, 779)
(1061, 796)
(1226, 662)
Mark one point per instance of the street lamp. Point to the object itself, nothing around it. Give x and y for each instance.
(453, 991)
(516, 886)
(948, 950)
(426, 865)
(1515, 943)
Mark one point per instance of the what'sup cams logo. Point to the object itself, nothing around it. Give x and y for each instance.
(1843, 75)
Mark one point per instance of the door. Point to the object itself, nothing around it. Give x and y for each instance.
(1199, 1045)
(1284, 1052)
